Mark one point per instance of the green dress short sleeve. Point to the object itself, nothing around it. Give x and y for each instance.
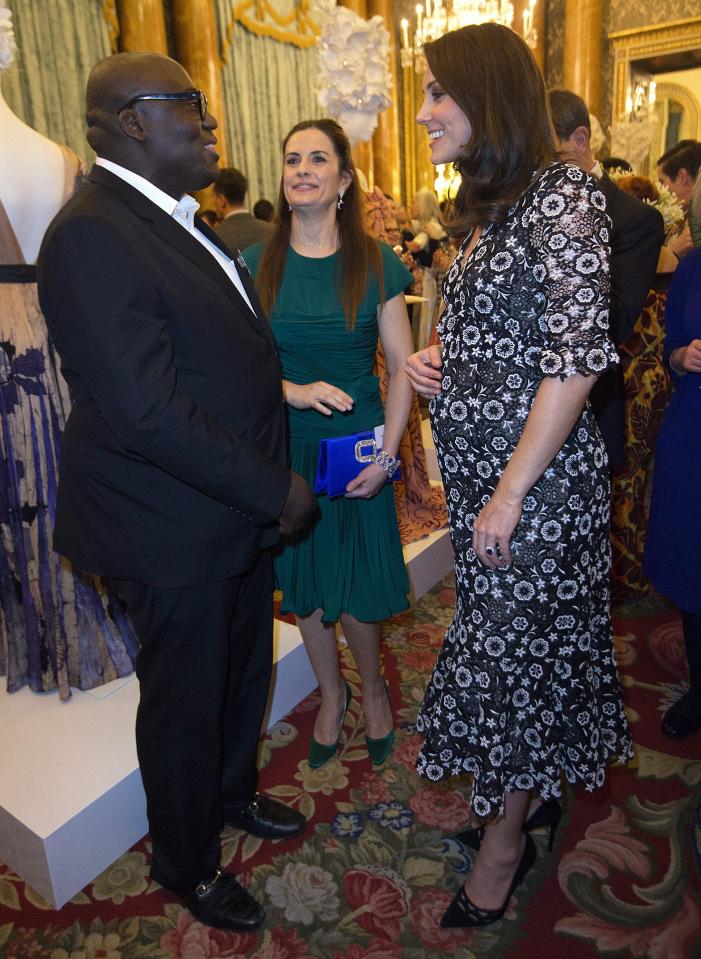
(351, 560)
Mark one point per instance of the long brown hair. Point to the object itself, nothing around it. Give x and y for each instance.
(491, 74)
(359, 251)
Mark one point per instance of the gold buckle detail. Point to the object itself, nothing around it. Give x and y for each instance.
(368, 444)
(203, 888)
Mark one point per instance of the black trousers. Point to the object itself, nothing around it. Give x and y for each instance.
(204, 670)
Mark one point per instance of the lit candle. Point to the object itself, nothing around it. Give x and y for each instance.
(404, 24)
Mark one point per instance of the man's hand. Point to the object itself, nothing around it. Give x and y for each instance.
(424, 371)
(299, 506)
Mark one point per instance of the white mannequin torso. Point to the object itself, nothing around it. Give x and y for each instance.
(32, 180)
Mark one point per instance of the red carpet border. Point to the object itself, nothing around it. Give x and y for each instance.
(379, 863)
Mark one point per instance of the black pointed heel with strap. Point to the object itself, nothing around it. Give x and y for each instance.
(462, 913)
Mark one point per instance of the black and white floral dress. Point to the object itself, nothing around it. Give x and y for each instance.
(526, 686)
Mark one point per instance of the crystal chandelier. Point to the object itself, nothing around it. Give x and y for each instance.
(436, 17)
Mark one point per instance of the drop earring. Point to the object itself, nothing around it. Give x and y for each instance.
(339, 205)
(289, 206)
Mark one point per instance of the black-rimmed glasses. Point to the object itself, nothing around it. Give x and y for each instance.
(194, 95)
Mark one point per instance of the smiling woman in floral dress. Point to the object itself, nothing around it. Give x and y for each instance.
(525, 687)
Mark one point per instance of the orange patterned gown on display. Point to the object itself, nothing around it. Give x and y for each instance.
(420, 506)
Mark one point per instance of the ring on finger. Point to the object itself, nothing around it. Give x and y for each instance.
(489, 551)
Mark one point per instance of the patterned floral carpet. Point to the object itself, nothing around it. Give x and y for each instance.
(378, 864)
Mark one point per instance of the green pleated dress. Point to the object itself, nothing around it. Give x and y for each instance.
(351, 560)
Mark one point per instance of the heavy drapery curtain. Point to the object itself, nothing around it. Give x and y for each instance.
(268, 87)
(58, 41)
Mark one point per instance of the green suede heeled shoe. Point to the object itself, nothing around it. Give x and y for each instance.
(379, 749)
(320, 753)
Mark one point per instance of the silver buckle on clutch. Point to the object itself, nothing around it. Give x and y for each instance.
(368, 444)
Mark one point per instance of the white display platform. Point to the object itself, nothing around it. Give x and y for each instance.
(434, 474)
(71, 799)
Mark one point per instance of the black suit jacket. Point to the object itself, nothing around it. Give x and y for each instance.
(173, 458)
(636, 238)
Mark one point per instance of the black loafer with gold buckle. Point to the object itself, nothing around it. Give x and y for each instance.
(266, 818)
(222, 902)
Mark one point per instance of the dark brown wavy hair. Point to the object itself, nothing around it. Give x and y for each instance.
(491, 74)
(359, 251)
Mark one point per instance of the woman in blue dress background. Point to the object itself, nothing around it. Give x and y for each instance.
(674, 529)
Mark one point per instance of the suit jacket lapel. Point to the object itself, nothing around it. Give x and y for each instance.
(239, 265)
(174, 234)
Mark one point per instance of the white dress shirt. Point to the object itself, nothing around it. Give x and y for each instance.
(183, 212)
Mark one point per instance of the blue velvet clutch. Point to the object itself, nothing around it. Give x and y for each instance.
(341, 458)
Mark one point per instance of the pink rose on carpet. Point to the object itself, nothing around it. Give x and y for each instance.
(446, 597)
(379, 898)
(424, 636)
(667, 646)
(374, 790)
(426, 912)
(445, 808)
(375, 949)
(284, 944)
(191, 940)
(406, 750)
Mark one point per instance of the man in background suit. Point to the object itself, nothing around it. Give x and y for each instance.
(173, 476)
(238, 228)
(636, 238)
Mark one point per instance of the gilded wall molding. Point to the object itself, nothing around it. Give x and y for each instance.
(684, 96)
(288, 23)
(648, 41)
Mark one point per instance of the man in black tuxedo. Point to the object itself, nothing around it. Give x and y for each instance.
(636, 239)
(173, 477)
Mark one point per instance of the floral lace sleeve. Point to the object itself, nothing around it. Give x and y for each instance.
(568, 231)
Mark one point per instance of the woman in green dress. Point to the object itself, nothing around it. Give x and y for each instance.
(329, 288)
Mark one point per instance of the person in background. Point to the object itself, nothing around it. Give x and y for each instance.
(329, 288)
(238, 228)
(674, 529)
(210, 217)
(615, 163)
(264, 210)
(636, 238)
(426, 226)
(525, 688)
(678, 170)
(694, 213)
